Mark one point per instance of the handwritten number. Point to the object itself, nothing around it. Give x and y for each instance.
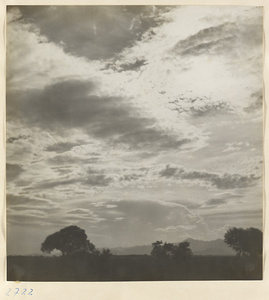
(17, 292)
(30, 293)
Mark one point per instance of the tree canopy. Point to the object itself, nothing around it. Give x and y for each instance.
(244, 241)
(69, 240)
(169, 250)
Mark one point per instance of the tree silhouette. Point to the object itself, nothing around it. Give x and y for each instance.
(69, 240)
(244, 241)
(182, 250)
(169, 250)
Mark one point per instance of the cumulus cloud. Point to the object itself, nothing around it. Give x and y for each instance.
(200, 106)
(220, 181)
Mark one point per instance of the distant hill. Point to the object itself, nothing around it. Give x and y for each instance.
(215, 247)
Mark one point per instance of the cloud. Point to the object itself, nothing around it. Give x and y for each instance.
(50, 184)
(135, 222)
(237, 215)
(148, 137)
(98, 180)
(29, 202)
(69, 159)
(61, 147)
(179, 228)
(72, 105)
(216, 202)
(222, 39)
(128, 66)
(87, 31)
(13, 171)
(200, 106)
(13, 139)
(258, 102)
(131, 177)
(220, 181)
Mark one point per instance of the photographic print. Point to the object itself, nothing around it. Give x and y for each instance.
(134, 143)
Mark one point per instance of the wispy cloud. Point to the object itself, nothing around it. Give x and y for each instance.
(220, 181)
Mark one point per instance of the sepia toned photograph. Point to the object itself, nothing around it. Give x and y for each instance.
(134, 143)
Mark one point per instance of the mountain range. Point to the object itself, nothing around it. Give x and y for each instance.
(198, 247)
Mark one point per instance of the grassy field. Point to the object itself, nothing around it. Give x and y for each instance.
(131, 268)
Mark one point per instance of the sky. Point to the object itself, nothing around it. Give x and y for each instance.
(135, 123)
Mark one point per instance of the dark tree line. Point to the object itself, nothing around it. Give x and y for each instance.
(169, 250)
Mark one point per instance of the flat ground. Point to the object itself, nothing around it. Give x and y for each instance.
(132, 268)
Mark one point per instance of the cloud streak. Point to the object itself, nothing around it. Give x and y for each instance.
(220, 181)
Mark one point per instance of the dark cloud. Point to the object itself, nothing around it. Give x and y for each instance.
(98, 180)
(13, 171)
(169, 172)
(221, 39)
(150, 137)
(135, 66)
(223, 182)
(95, 32)
(257, 104)
(50, 184)
(14, 139)
(215, 202)
(131, 177)
(67, 160)
(61, 147)
(70, 104)
(206, 107)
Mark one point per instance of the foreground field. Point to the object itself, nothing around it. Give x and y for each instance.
(131, 268)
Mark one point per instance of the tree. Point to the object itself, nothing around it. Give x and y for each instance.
(69, 240)
(183, 250)
(244, 241)
(160, 249)
(169, 250)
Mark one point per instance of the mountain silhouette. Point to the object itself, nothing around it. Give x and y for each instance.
(198, 247)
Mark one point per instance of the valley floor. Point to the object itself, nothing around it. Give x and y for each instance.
(132, 268)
